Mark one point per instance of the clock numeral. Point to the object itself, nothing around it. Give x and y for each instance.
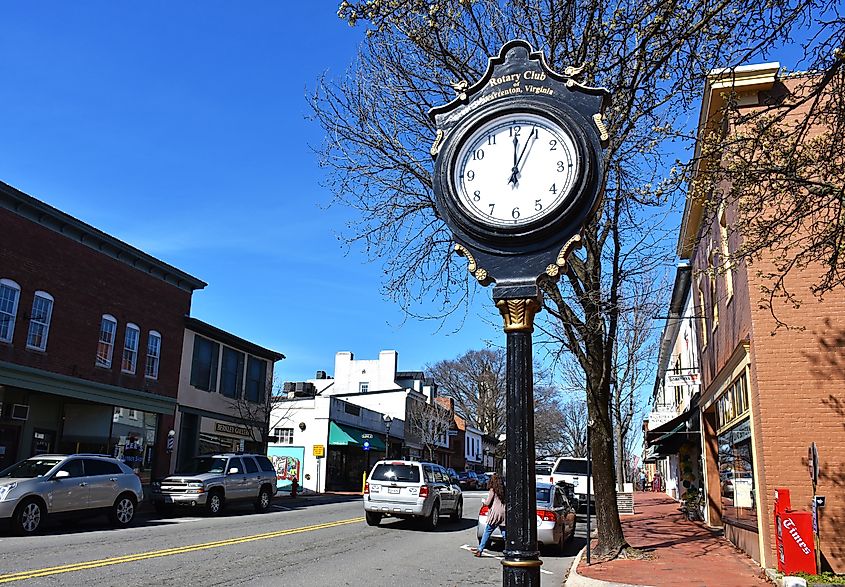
(514, 130)
(538, 205)
(561, 166)
(515, 213)
(491, 140)
(470, 175)
(553, 189)
(476, 195)
(553, 145)
(491, 208)
(478, 155)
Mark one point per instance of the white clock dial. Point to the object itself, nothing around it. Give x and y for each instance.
(515, 169)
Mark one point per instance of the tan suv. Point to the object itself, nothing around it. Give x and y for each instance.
(212, 481)
(412, 489)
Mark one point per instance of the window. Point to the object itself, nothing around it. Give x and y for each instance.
(714, 302)
(105, 346)
(232, 373)
(74, 468)
(94, 467)
(39, 321)
(364, 387)
(153, 354)
(265, 464)
(702, 313)
(250, 465)
(284, 435)
(728, 266)
(256, 375)
(351, 409)
(10, 293)
(204, 364)
(133, 414)
(130, 349)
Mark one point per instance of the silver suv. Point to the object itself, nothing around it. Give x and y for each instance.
(67, 485)
(212, 481)
(412, 489)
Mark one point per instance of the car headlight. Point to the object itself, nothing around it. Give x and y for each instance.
(5, 489)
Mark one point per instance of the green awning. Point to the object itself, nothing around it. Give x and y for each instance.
(343, 435)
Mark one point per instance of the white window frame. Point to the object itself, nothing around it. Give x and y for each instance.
(283, 435)
(364, 387)
(105, 362)
(153, 358)
(10, 316)
(133, 414)
(43, 324)
(130, 351)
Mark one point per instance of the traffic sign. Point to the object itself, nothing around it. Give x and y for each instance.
(319, 450)
(366, 445)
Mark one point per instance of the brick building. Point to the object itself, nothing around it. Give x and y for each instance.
(91, 334)
(764, 397)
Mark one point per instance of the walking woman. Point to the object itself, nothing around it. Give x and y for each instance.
(495, 500)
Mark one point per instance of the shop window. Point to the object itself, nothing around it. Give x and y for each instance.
(39, 321)
(256, 376)
(204, 364)
(133, 439)
(105, 346)
(10, 293)
(232, 373)
(153, 355)
(736, 476)
(130, 349)
(283, 435)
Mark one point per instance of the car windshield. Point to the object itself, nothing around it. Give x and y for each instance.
(385, 472)
(543, 494)
(202, 465)
(572, 467)
(30, 468)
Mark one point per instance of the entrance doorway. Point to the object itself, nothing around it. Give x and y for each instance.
(9, 439)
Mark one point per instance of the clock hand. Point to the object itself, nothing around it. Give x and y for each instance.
(515, 168)
(531, 136)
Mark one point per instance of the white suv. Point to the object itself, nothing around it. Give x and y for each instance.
(412, 489)
(573, 470)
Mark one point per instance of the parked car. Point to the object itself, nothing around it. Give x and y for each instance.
(212, 481)
(67, 486)
(483, 481)
(468, 480)
(411, 489)
(543, 471)
(574, 470)
(555, 518)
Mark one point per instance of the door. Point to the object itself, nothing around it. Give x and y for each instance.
(447, 494)
(43, 442)
(102, 478)
(253, 477)
(69, 493)
(9, 436)
(235, 483)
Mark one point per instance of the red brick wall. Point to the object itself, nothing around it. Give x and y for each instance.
(86, 284)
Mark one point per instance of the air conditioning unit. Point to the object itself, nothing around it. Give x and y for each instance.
(20, 412)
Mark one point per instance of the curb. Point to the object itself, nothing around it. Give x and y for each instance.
(573, 579)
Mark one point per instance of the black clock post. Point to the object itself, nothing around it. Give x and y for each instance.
(517, 175)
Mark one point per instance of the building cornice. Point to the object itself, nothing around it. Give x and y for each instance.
(230, 339)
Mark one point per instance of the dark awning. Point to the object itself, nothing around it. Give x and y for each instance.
(667, 438)
(343, 435)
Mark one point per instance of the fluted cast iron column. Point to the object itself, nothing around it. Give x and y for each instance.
(521, 566)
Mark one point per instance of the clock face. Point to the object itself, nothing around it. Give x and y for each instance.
(515, 169)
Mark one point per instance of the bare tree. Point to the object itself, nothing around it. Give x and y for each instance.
(257, 415)
(429, 424)
(651, 55)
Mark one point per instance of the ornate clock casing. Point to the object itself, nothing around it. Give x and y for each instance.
(518, 166)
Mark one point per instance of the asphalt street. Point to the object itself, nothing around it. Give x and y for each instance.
(307, 541)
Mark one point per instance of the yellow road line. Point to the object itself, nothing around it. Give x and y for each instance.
(35, 573)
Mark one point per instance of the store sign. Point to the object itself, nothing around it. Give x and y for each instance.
(231, 429)
(656, 419)
(681, 380)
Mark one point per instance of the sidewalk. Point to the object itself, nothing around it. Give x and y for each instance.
(684, 553)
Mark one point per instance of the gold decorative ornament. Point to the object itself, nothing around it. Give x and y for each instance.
(460, 88)
(522, 563)
(601, 126)
(573, 71)
(480, 274)
(438, 139)
(519, 313)
(570, 245)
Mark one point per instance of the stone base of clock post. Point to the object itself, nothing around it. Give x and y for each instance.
(521, 566)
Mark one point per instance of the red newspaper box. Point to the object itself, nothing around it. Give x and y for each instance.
(794, 536)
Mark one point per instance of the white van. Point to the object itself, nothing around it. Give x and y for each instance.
(574, 470)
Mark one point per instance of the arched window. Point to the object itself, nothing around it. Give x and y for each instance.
(130, 348)
(105, 346)
(10, 293)
(153, 354)
(39, 321)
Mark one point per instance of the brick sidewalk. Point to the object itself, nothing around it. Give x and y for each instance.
(685, 553)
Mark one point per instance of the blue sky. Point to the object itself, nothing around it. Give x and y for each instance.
(180, 129)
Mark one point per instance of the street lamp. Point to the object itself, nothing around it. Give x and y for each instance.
(387, 421)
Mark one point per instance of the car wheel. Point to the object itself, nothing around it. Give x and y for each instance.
(373, 518)
(214, 504)
(262, 504)
(123, 511)
(458, 514)
(29, 517)
(433, 519)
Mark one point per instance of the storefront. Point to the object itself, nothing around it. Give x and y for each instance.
(351, 454)
(201, 433)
